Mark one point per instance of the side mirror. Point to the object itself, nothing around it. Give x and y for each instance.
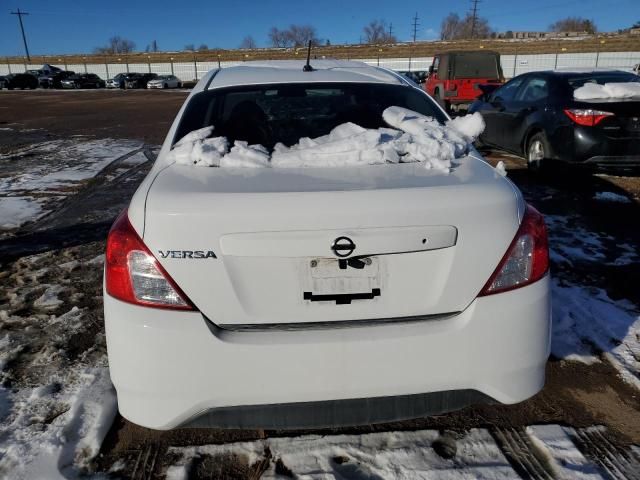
(432, 70)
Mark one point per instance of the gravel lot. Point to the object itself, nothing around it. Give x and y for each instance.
(69, 161)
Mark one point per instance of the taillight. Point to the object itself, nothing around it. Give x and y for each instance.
(586, 116)
(133, 274)
(526, 260)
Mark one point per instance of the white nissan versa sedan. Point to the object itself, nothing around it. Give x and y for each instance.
(311, 297)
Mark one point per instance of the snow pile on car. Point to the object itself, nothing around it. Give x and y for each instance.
(592, 91)
(413, 138)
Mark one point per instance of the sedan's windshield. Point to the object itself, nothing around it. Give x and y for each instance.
(268, 114)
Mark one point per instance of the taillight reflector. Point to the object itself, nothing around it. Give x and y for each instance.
(134, 275)
(587, 117)
(527, 258)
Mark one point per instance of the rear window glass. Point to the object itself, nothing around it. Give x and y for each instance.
(268, 114)
(601, 79)
(474, 65)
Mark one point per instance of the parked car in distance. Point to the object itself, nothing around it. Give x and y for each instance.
(164, 81)
(138, 80)
(83, 80)
(536, 115)
(54, 79)
(417, 76)
(36, 73)
(21, 81)
(117, 81)
(369, 293)
(455, 77)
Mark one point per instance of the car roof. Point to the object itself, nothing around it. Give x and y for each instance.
(584, 72)
(290, 71)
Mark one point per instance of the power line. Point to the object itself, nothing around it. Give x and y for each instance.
(24, 38)
(474, 16)
(415, 25)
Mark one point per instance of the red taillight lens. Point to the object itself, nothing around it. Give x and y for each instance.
(587, 117)
(133, 274)
(526, 260)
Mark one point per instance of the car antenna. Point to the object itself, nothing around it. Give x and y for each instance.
(308, 67)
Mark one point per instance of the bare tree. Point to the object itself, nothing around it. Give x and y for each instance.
(376, 32)
(203, 46)
(574, 24)
(294, 36)
(248, 42)
(116, 45)
(190, 47)
(301, 35)
(450, 27)
(455, 28)
(279, 38)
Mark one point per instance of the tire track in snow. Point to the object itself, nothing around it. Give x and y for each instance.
(595, 444)
(525, 458)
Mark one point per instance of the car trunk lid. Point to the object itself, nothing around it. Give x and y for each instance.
(410, 241)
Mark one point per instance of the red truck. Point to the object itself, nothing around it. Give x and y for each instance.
(455, 77)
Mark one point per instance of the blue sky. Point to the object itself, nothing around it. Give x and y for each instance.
(71, 26)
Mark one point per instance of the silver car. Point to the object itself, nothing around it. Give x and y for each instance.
(164, 81)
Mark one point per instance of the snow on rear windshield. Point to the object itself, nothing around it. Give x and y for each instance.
(285, 113)
(613, 90)
(413, 138)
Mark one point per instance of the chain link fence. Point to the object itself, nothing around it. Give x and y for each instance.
(512, 65)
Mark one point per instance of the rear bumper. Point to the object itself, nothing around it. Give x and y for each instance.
(593, 147)
(603, 161)
(171, 369)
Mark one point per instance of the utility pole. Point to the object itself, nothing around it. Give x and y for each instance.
(390, 30)
(24, 38)
(474, 16)
(415, 25)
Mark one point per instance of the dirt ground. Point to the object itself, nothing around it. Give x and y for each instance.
(576, 394)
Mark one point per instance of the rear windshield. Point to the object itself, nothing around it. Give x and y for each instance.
(268, 114)
(602, 78)
(474, 65)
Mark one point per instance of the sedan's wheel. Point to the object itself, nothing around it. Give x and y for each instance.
(165, 86)
(537, 152)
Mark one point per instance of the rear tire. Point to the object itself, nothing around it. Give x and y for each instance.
(537, 153)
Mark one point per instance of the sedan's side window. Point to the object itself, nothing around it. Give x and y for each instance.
(535, 89)
(508, 90)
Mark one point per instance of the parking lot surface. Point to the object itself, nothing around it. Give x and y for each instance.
(69, 161)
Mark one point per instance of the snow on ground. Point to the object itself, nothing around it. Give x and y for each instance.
(35, 178)
(401, 455)
(413, 138)
(621, 90)
(586, 322)
(14, 211)
(611, 197)
(56, 399)
(566, 461)
(571, 242)
(56, 165)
